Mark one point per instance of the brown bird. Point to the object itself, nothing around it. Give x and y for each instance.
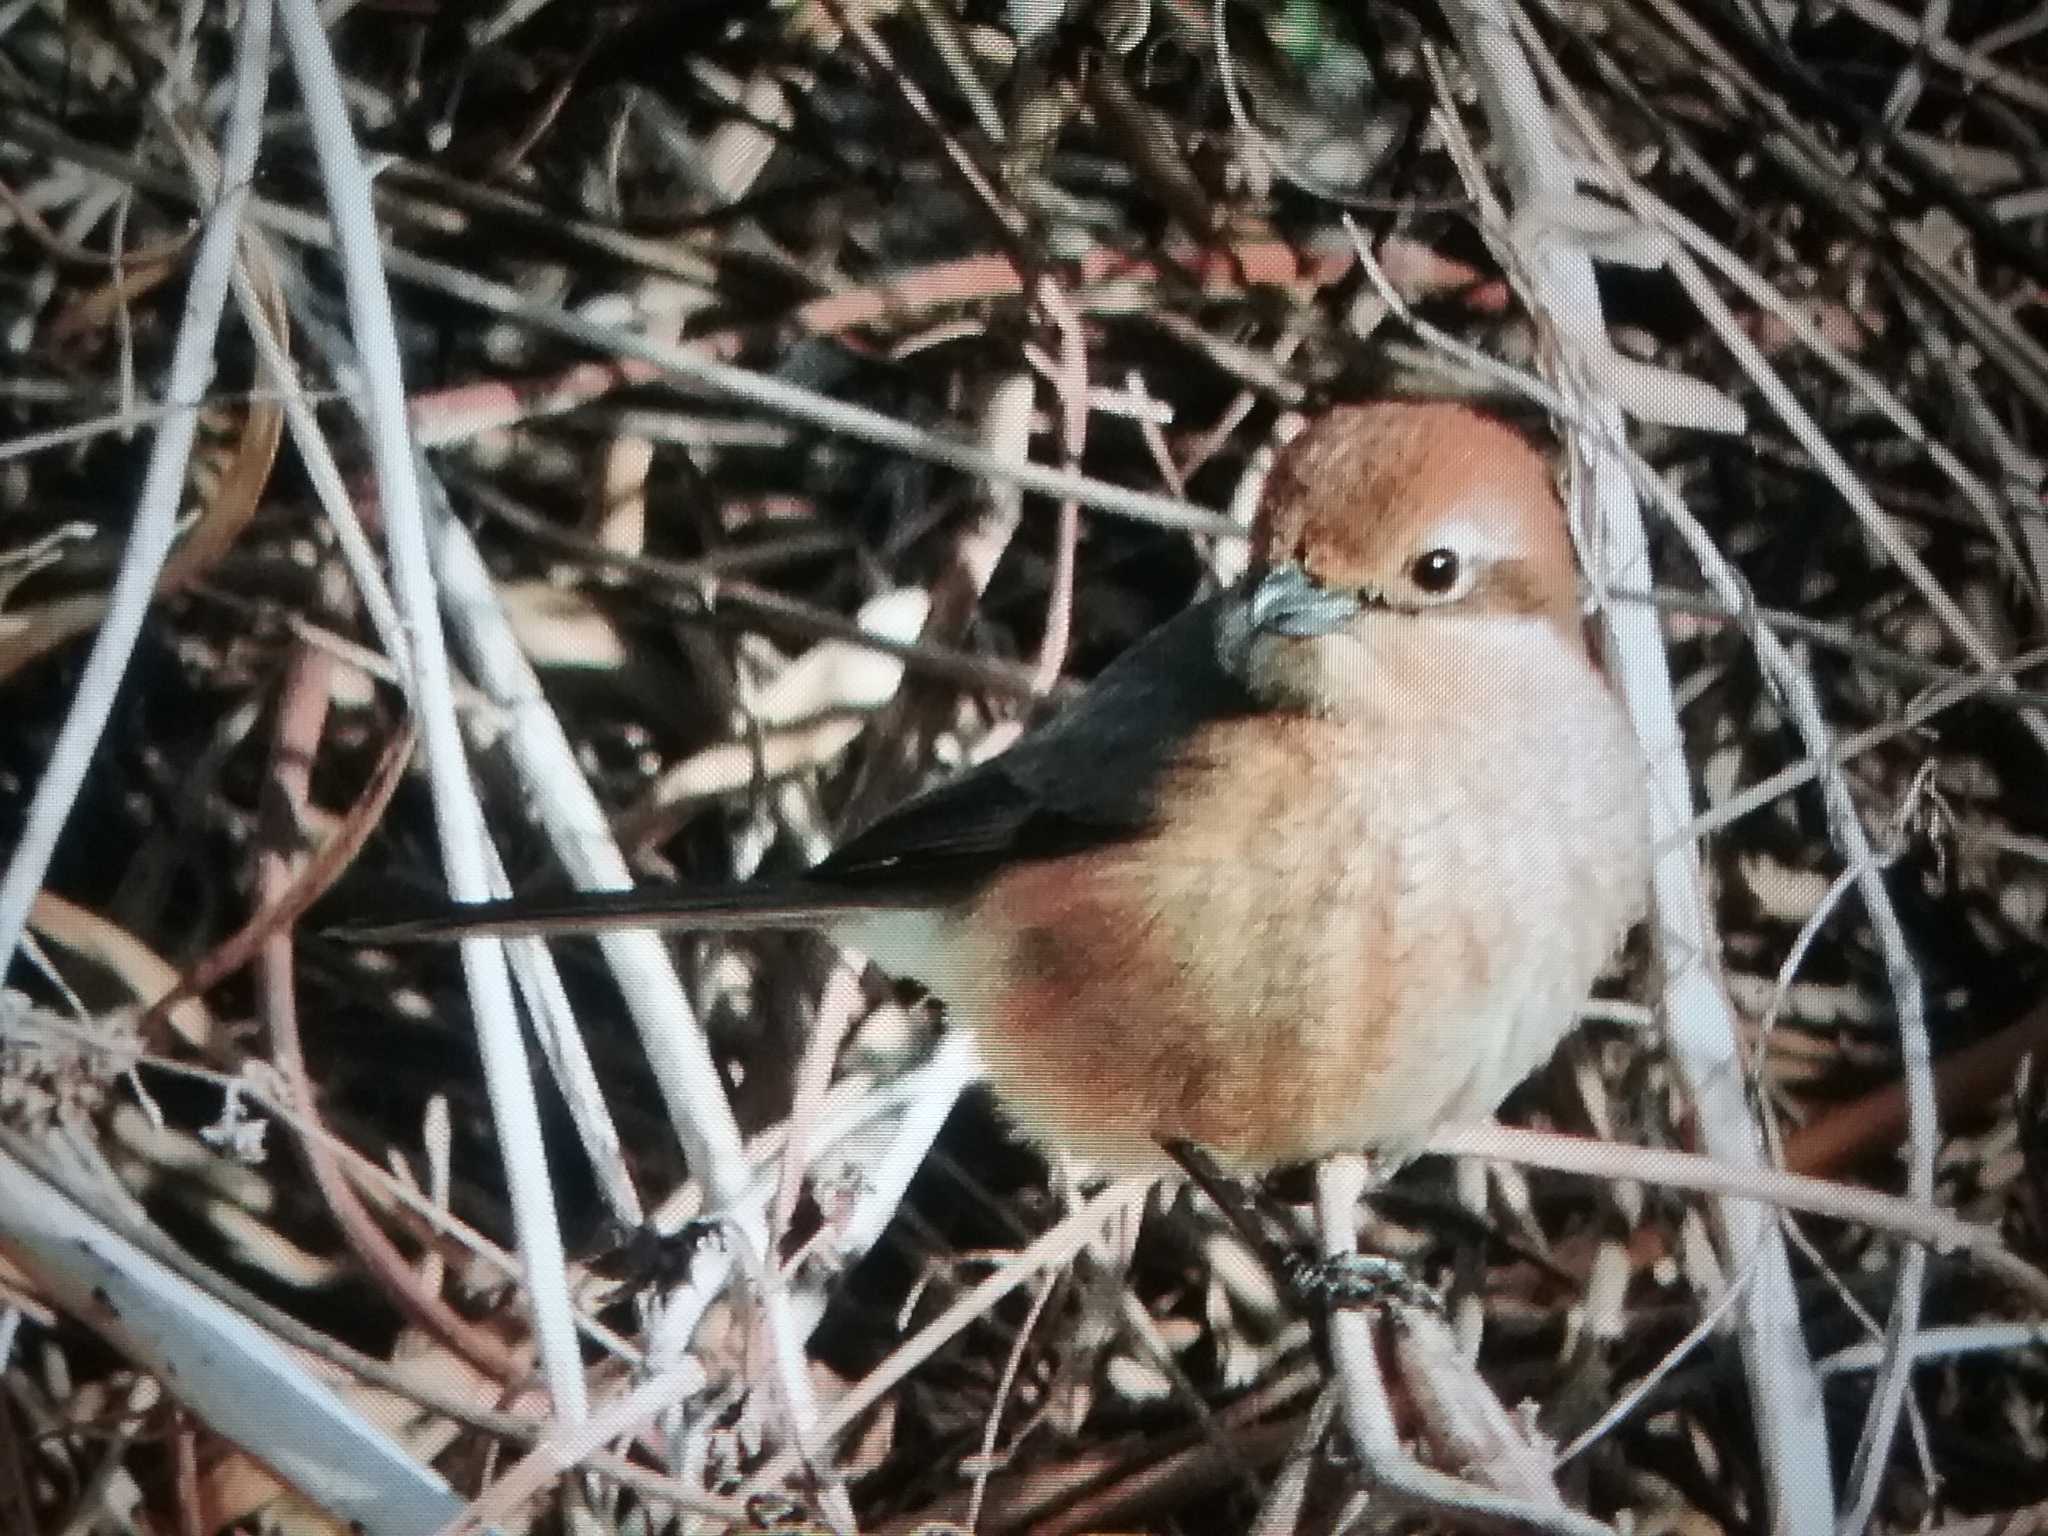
(1326, 862)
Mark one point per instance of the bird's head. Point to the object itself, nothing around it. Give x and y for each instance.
(1422, 513)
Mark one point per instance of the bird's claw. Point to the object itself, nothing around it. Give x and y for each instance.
(1358, 1281)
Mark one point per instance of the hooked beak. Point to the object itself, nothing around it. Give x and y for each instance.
(1288, 602)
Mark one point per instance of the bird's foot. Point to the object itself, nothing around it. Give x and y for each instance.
(643, 1255)
(1357, 1281)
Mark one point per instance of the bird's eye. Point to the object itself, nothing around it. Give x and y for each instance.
(1436, 571)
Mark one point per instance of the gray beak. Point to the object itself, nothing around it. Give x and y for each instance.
(1287, 602)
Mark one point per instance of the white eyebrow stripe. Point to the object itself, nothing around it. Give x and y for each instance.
(1471, 537)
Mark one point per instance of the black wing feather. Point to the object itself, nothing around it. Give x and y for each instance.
(1043, 798)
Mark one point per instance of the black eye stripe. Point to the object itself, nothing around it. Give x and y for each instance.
(1499, 586)
(1513, 587)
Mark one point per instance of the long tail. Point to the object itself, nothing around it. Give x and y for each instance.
(723, 908)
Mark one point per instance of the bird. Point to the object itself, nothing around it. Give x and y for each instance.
(1327, 862)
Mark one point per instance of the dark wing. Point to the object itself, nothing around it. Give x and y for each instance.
(1087, 777)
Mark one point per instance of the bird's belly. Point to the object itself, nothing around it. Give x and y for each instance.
(1118, 1008)
(1433, 937)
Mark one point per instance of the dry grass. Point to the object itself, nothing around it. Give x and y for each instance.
(728, 331)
